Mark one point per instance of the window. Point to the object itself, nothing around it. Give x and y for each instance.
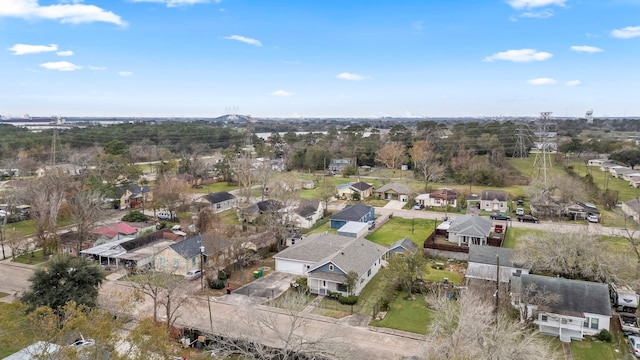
(369, 272)
(342, 287)
(585, 324)
(594, 323)
(308, 267)
(330, 267)
(193, 261)
(218, 206)
(176, 262)
(162, 262)
(543, 318)
(564, 321)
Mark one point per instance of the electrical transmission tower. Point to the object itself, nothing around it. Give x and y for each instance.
(545, 146)
(522, 141)
(55, 141)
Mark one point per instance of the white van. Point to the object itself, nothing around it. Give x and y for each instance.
(166, 215)
(519, 211)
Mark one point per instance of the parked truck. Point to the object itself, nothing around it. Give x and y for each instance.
(625, 301)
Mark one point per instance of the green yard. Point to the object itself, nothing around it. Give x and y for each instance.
(417, 230)
(597, 350)
(31, 257)
(407, 315)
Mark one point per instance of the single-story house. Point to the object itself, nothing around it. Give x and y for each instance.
(354, 229)
(613, 170)
(112, 232)
(634, 181)
(356, 212)
(253, 212)
(494, 200)
(362, 189)
(180, 257)
(307, 213)
(468, 230)
(219, 201)
(402, 245)
(597, 162)
(438, 198)
(326, 259)
(581, 308)
(630, 175)
(339, 165)
(580, 211)
(619, 173)
(483, 262)
(394, 191)
(606, 166)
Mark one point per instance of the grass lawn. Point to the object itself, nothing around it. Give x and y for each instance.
(322, 228)
(513, 234)
(596, 350)
(156, 281)
(436, 275)
(215, 187)
(31, 257)
(3, 294)
(407, 315)
(604, 180)
(229, 217)
(397, 228)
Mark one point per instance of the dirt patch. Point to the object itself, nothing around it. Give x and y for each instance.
(245, 276)
(458, 268)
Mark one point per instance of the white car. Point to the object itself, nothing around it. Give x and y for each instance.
(592, 218)
(193, 274)
(82, 342)
(519, 211)
(634, 343)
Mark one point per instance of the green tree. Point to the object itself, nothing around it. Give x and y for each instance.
(64, 279)
(351, 281)
(116, 147)
(134, 216)
(405, 268)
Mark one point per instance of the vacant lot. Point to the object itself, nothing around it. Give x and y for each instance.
(417, 230)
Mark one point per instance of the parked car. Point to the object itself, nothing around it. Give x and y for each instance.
(499, 216)
(418, 206)
(520, 202)
(193, 274)
(634, 343)
(82, 342)
(592, 218)
(519, 211)
(528, 218)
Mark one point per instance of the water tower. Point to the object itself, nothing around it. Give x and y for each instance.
(589, 116)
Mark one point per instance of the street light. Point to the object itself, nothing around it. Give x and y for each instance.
(202, 267)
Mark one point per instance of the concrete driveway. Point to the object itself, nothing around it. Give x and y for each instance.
(262, 289)
(395, 205)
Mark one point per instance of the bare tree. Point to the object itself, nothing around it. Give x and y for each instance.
(264, 172)
(85, 210)
(531, 297)
(469, 329)
(426, 163)
(570, 255)
(405, 268)
(391, 154)
(46, 196)
(281, 334)
(170, 193)
(243, 169)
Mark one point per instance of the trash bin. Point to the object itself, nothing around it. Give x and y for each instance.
(256, 274)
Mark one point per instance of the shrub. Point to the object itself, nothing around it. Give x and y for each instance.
(384, 304)
(222, 275)
(134, 216)
(348, 300)
(217, 284)
(605, 335)
(301, 285)
(333, 295)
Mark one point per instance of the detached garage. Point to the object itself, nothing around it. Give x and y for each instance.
(354, 229)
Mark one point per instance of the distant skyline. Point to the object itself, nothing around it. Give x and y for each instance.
(288, 59)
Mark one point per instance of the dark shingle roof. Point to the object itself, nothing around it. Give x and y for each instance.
(217, 197)
(188, 247)
(269, 205)
(352, 213)
(494, 195)
(361, 186)
(404, 243)
(307, 207)
(576, 296)
(487, 255)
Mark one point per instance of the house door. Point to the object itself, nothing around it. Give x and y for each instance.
(323, 287)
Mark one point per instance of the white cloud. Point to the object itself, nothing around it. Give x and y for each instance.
(22, 49)
(60, 66)
(65, 53)
(530, 4)
(281, 93)
(543, 14)
(350, 76)
(542, 81)
(177, 3)
(522, 55)
(64, 13)
(573, 83)
(626, 33)
(125, 73)
(243, 39)
(586, 48)
(97, 68)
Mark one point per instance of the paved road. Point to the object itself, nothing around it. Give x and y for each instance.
(14, 278)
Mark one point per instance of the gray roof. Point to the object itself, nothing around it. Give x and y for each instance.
(352, 213)
(314, 248)
(471, 225)
(487, 255)
(494, 195)
(35, 351)
(188, 247)
(307, 207)
(357, 255)
(217, 197)
(576, 297)
(404, 243)
(361, 186)
(394, 186)
(353, 227)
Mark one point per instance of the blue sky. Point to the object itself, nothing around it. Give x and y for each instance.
(303, 58)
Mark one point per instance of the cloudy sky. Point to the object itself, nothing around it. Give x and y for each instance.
(355, 58)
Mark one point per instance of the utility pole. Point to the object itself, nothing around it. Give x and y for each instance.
(497, 287)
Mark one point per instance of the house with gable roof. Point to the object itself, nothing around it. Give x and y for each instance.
(582, 307)
(494, 200)
(180, 257)
(132, 196)
(307, 213)
(326, 259)
(355, 191)
(465, 230)
(402, 245)
(356, 212)
(112, 232)
(484, 262)
(218, 201)
(394, 191)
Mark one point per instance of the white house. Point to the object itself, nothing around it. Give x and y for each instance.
(581, 307)
(494, 200)
(307, 213)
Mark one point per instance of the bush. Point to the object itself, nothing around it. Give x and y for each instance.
(348, 300)
(605, 335)
(384, 304)
(301, 285)
(134, 216)
(217, 284)
(222, 275)
(333, 295)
